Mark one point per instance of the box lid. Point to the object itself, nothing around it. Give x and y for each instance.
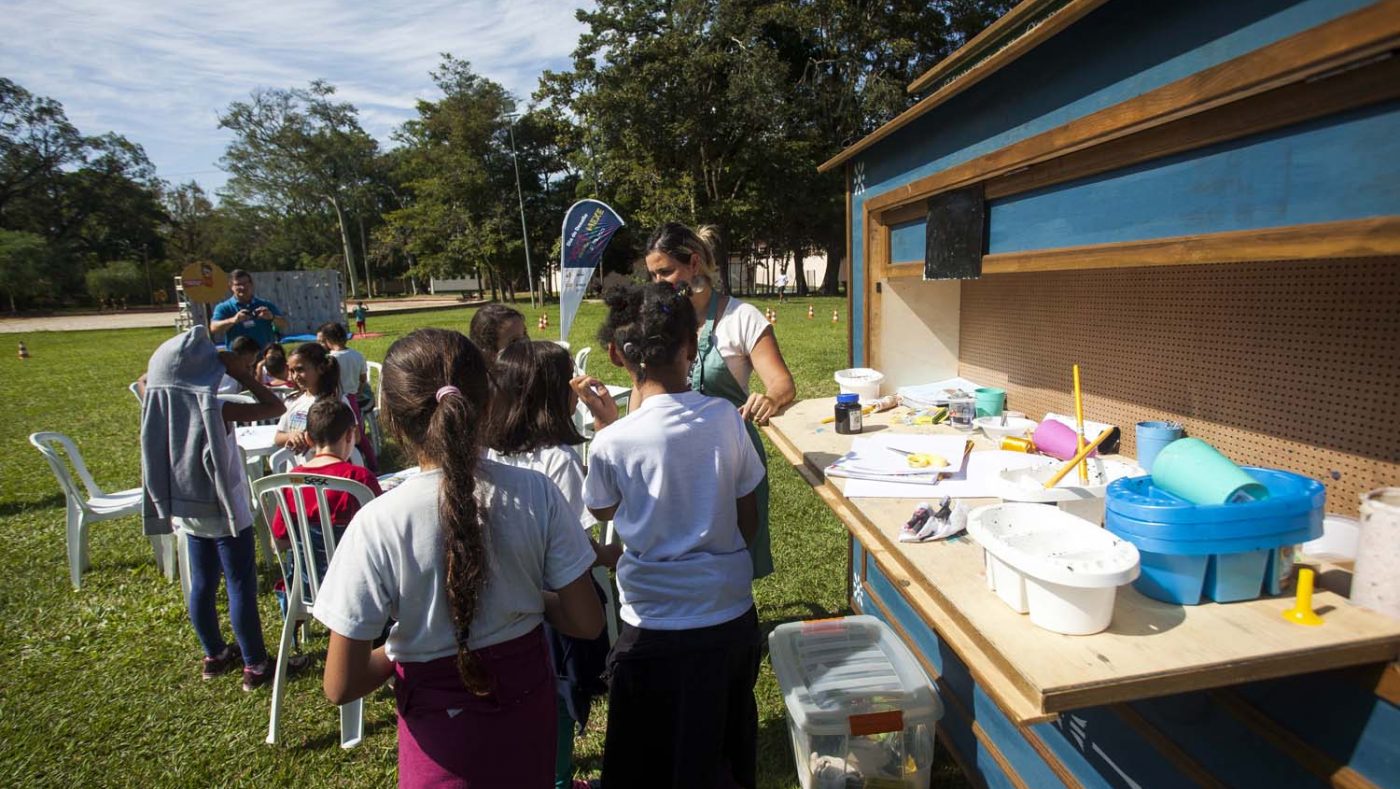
(850, 675)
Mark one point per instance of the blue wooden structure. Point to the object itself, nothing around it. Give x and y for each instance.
(1198, 201)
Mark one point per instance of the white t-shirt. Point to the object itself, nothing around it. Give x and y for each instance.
(390, 564)
(240, 495)
(563, 467)
(675, 466)
(737, 331)
(295, 419)
(352, 368)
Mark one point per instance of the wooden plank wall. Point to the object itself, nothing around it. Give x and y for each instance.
(1292, 365)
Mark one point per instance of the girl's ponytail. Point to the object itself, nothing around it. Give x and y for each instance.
(435, 400)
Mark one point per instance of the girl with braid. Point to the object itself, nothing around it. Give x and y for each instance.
(678, 477)
(468, 559)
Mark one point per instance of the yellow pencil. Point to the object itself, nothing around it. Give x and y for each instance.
(1079, 423)
(1077, 459)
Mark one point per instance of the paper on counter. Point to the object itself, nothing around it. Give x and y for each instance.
(981, 479)
(870, 456)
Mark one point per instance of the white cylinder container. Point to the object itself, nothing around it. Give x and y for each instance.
(1375, 583)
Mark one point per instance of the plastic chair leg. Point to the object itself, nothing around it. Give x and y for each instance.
(164, 546)
(352, 723)
(600, 575)
(77, 546)
(284, 647)
(182, 560)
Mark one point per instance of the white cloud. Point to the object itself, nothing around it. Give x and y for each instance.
(160, 71)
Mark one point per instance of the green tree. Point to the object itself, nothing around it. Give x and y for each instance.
(120, 279)
(296, 149)
(21, 262)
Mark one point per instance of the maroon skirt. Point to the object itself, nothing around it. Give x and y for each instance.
(450, 737)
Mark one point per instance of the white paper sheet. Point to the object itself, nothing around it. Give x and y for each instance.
(980, 479)
(870, 456)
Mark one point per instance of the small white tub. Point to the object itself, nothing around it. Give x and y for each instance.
(861, 380)
(1062, 570)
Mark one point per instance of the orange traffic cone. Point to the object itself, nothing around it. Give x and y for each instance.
(23, 352)
(539, 324)
(811, 313)
(834, 317)
(545, 318)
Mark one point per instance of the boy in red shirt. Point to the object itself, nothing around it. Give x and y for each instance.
(330, 424)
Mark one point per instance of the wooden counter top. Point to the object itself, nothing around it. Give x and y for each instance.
(1151, 649)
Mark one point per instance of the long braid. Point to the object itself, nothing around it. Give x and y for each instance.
(435, 399)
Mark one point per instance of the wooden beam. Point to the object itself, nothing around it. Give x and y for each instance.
(905, 269)
(1345, 41)
(1006, 23)
(1301, 751)
(1295, 103)
(1354, 238)
(1164, 745)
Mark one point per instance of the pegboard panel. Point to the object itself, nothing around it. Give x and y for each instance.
(1292, 365)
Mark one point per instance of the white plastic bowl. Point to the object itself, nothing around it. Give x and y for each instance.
(1340, 536)
(1062, 570)
(1015, 426)
(864, 381)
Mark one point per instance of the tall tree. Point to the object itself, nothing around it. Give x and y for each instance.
(298, 147)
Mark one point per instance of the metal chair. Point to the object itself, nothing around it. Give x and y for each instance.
(271, 493)
(93, 505)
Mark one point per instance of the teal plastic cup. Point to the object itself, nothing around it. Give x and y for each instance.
(991, 401)
(1196, 471)
(1152, 438)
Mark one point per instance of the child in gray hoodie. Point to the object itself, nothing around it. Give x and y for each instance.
(193, 480)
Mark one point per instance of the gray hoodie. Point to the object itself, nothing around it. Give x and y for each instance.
(184, 462)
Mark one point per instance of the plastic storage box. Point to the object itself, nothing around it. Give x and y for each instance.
(861, 711)
(1226, 552)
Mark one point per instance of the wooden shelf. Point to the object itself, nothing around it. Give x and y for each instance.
(1152, 648)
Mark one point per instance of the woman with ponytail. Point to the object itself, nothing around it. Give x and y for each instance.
(734, 341)
(468, 558)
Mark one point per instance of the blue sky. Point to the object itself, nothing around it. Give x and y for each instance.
(160, 71)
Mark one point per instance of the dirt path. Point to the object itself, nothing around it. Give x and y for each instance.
(153, 318)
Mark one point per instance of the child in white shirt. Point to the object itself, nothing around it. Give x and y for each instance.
(677, 475)
(468, 558)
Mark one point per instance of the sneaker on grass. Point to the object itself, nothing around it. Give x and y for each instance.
(259, 674)
(222, 663)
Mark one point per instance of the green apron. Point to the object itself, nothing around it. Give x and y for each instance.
(710, 376)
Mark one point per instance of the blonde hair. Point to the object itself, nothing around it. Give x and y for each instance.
(680, 242)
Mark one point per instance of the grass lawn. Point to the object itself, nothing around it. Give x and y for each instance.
(101, 687)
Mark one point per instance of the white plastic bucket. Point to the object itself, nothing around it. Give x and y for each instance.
(863, 381)
(1074, 611)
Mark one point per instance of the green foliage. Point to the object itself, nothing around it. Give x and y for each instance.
(21, 260)
(120, 279)
(91, 198)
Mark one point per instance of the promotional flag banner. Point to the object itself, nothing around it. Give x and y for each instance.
(588, 227)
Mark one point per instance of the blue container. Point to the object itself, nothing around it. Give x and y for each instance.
(1226, 552)
(1151, 438)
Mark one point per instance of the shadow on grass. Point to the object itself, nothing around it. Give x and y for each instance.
(20, 507)
(331, 739)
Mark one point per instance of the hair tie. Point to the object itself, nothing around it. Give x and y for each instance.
(448, 390)
(629, 349)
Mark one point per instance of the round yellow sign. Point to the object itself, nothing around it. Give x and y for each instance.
(204, 282)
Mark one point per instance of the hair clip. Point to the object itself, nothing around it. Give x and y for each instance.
(447, 390)
(629, 349)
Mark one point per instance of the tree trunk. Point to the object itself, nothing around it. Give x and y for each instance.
(831, 281)
(799, 276)
(364, 252)
(345, 244)
(722, 258)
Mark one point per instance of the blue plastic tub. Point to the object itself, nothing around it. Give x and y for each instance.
(1224, 552)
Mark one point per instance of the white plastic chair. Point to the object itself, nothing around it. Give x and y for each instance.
(604, 580)
(374, 374)
(135, 390)
(581, 361)
(270, 492)
(95, 506)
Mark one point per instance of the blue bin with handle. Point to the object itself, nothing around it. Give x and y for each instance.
(1224, 552)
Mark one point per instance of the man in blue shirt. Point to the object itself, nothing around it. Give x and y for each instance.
(245, 315)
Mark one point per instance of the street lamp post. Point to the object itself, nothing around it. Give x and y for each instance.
(520, 194)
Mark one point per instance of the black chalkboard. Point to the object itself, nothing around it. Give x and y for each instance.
(957, 234)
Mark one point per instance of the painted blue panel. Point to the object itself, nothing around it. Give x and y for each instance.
(1024, 760)
(907, 241)
(1342, 167)
(1122, 49)
(1098, 739)
(1353, 726)
(1222, 744)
